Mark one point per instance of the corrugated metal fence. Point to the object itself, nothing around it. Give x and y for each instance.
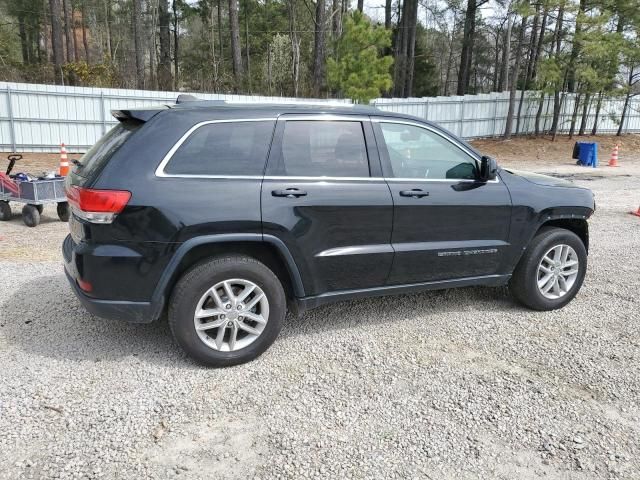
(476, 116)
(38, 118)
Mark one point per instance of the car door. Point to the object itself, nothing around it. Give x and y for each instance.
(324, 197)
(447, 224)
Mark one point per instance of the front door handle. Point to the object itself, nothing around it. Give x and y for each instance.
(289, 193)
(416, 192)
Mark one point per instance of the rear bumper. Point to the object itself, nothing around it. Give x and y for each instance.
(128, 311)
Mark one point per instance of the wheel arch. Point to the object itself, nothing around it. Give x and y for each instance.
(265, 248)
(579, 226)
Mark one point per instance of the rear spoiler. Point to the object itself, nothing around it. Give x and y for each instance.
(138, 115)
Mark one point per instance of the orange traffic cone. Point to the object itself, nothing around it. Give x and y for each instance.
(636, 213)
(64, 162)
(613, 161)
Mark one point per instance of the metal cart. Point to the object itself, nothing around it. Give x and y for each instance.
(35, 195)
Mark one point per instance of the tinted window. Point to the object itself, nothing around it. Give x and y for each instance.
(234, 148)
(416, 152)
(323, 149)
(98, 156)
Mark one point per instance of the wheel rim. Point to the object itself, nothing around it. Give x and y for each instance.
(231, 315)
(557, 271)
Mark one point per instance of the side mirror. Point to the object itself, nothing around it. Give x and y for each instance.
(488, 169)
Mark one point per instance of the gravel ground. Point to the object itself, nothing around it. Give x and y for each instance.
(452, 384)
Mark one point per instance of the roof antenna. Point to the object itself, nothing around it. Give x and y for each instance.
(184, 97)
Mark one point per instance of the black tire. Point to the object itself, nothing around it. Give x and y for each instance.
(63, 211)
(523, 284)
(30, 215)
(200, 278)
(5, 211)
(40, 208)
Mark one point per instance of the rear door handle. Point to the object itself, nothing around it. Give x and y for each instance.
(289, 193)
(416, 192)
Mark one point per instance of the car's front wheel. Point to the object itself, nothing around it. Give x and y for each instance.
(551, 271)
(227, 310)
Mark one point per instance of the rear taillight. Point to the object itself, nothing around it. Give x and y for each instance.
(97, 206)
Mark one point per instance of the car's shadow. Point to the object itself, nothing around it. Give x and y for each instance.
(43, 317)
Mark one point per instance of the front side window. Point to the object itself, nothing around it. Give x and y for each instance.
(227, 148)
(323, 149)
(416, 152)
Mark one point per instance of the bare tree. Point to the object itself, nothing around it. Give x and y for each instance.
(514, 80)
(56, 40)
(468, 40)
(68, 29)
(138, 42)
(165, 80)
(318, 49)
(235, 44)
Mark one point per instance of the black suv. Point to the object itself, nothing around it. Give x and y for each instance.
(224, 216)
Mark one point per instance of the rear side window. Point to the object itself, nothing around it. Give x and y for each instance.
(313, 148)
(99, 155)
(227, 148)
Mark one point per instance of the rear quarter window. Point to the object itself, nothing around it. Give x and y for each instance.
(92, 162)
(224, 148)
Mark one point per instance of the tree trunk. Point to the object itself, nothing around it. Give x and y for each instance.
(22, 32)
(557, 100)
(411, 25)
(165, 79)
(295, 47)
(247, 44)
(137, 42)
(539, 114)
(76, 46)
(594, 129)
(574, 116)
(585, 114)
(575, 50)
(318, 50)
(360, 5)
(496, 61)
(506, 56)
(66, 5)
(527, 76)
(85, 40)
(56, 40)
(514, 81)
(176, 38)
(627, 98)
(543, 27)
(387, 14)
(107, 16)
(234, 24)
(220, 36)
(467, 47)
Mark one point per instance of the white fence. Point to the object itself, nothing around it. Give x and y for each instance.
(37, 118)
(477, 116)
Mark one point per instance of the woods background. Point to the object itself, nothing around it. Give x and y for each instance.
(331, 48)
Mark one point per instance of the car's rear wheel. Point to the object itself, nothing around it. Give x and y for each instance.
(227, 310)
(551, 271)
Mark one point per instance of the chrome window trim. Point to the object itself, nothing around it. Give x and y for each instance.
(160, 169)
(326, 117)
(159, 172)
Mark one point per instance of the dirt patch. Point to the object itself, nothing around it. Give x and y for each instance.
(542, 150)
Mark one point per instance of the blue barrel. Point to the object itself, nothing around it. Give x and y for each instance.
(588, 154)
